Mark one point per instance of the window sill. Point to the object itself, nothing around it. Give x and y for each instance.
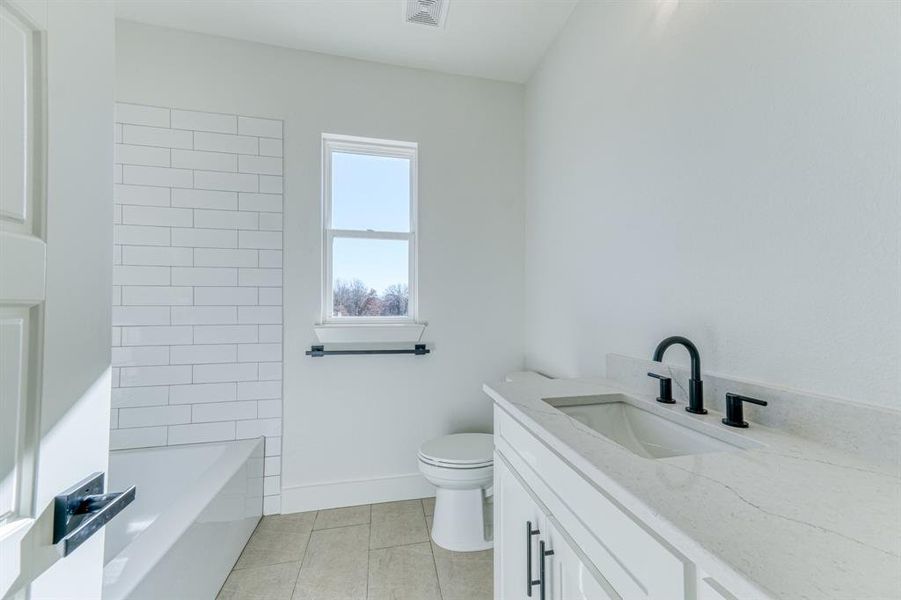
(351, 333)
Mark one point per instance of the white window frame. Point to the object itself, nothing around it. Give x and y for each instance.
(373, 147)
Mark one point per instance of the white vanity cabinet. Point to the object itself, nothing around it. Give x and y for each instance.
(533, 556)
(600, 550)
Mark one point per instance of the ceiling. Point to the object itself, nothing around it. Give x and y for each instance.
(495, 39)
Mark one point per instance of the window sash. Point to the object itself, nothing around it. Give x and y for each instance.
(374, 147)
(370, 234)
(329, 287)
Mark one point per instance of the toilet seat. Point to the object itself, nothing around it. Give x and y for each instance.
(459, 451)
(453, 465)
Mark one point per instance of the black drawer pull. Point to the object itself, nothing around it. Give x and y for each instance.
(529, 581)
(542, 577)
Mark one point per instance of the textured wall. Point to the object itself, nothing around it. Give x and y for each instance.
(724, 170)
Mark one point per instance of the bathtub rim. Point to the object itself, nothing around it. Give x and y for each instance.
(165, 531)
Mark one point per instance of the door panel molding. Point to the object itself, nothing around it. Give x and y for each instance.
(23, 260)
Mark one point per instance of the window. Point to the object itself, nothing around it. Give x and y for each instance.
(369, 231)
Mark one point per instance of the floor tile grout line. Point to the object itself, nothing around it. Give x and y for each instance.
(306, 552)
(368, 554)
(432, 551)
(342, 526)
(263, 566)
(418, 502)
(369, 522)
(429, 541)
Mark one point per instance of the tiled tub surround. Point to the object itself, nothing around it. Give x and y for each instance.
(794, 518)
(197, 281)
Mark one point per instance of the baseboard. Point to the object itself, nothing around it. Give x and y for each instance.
(334, 494)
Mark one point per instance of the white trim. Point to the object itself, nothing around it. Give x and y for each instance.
(355, 143)
(356, 333)
(354, 492)
(370, 234)
(15, 535)
(375, 147)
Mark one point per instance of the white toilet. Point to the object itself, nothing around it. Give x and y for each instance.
(461, 466)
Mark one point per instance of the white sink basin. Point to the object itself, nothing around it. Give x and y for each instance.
(623, 420)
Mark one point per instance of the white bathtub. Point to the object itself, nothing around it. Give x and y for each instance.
(195, 508)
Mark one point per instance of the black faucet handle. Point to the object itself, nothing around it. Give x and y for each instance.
(746, 399)
(735, 409)
(666, 388)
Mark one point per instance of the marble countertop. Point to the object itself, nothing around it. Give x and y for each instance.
(789, 519)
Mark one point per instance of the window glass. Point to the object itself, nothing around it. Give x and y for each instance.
(370, 192)
(370, 277)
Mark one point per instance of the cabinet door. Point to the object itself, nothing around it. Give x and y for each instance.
(569, 574)
(514, 513)
(710, 589)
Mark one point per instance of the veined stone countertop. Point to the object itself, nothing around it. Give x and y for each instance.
(793, 518)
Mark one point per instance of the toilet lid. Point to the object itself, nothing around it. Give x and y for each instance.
(463, 449)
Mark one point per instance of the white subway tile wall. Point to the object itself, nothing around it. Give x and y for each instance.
(197, 283)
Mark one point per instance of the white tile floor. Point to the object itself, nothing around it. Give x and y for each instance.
(370, 552)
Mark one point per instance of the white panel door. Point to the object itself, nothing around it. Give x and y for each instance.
(22, 291)
(55, 157)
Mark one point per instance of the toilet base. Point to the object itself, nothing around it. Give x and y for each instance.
(459, 521)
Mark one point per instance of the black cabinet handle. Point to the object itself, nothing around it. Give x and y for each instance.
(542, 574)
(529, 581)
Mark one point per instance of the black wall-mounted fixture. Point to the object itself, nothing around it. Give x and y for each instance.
(417, 350)
(735, 416)
(695, 385)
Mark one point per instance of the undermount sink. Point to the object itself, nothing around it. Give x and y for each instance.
(621, 419)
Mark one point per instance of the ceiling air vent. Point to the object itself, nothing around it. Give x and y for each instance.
(427, 12)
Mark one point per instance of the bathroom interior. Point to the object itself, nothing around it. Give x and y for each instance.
(450, 299)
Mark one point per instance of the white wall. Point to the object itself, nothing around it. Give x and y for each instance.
(355, 423)
(726, 171)
(197, 281)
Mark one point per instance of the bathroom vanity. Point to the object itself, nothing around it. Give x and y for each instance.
(601, 492)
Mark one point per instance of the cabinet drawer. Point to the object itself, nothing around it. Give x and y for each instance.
(635, 562)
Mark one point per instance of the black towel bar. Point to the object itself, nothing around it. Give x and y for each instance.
(418, 350)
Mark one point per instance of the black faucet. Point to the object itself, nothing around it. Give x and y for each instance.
(695, 385)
